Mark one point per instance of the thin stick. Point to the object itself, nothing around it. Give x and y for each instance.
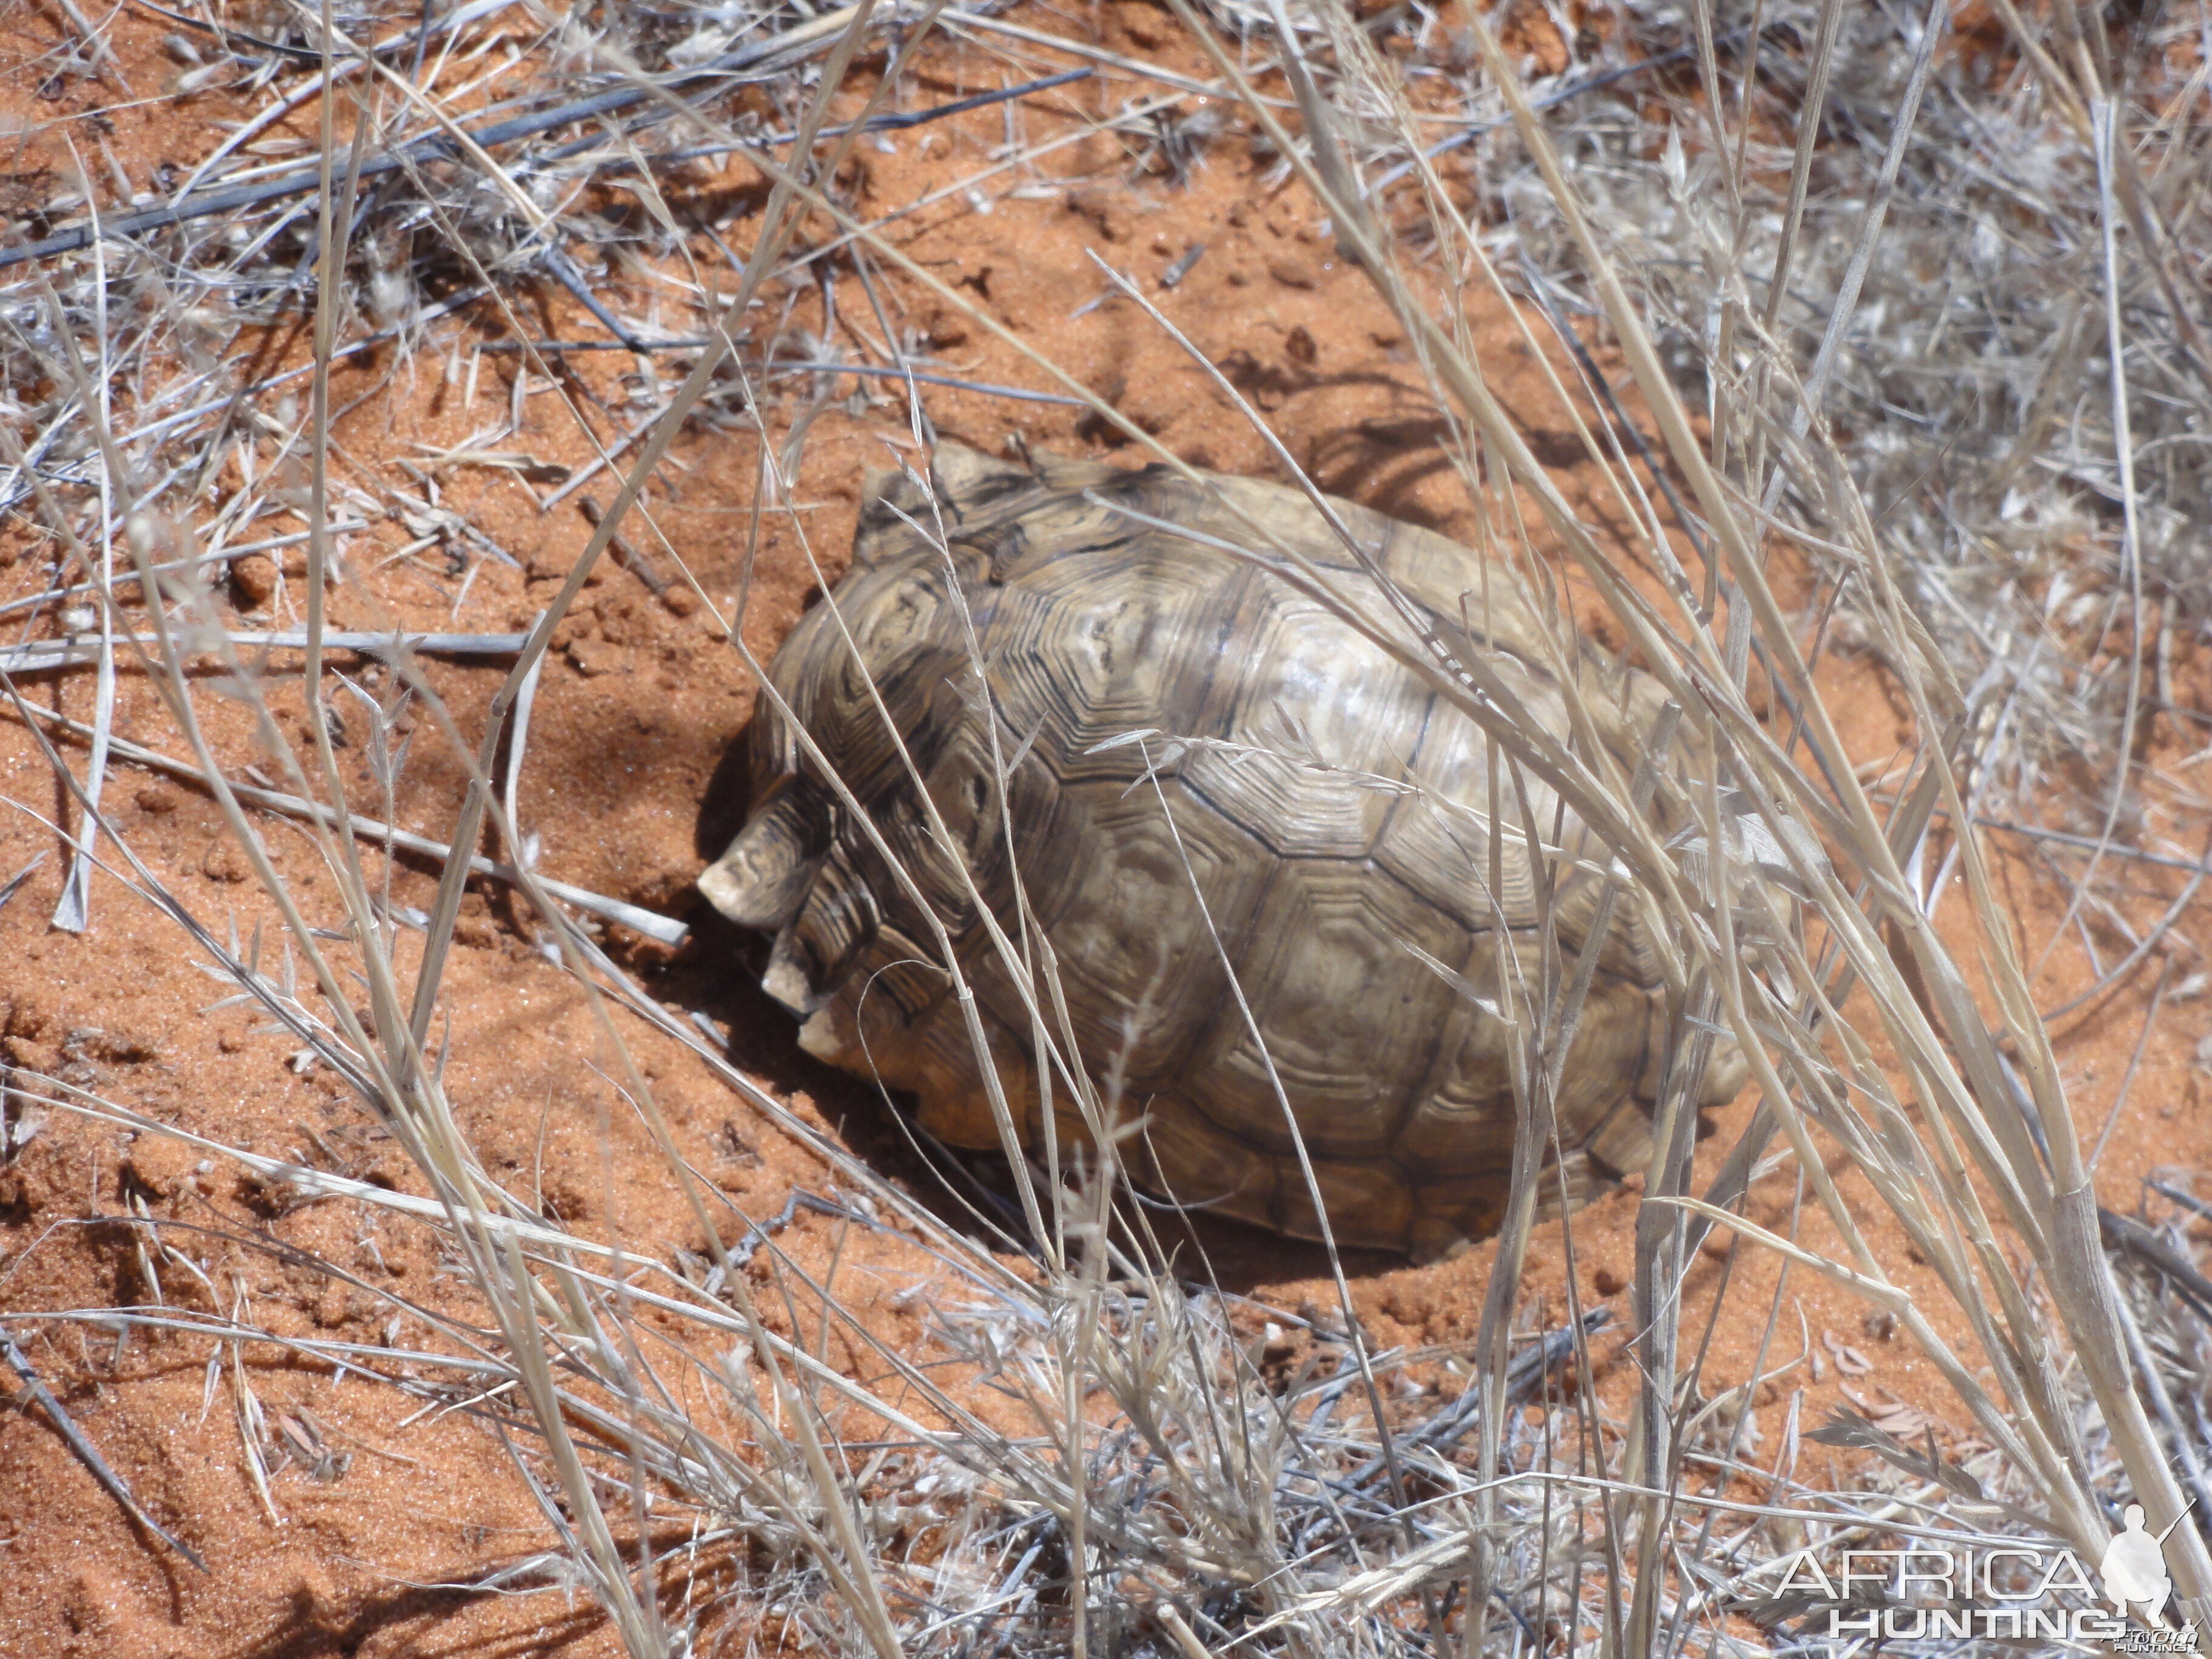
(517, 744)
(653, 925)
(73, 911)
(812, 36)
(41, 654)
(2135, 1060)
(785, 365)
(86, 1453)
(14, 884)
(1933, 27)
(2104, 124)
(129, 578)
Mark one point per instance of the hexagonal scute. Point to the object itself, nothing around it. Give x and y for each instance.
(1629, 948)
(1185, 1159)
(1304, 532)
(994, 980)
(883, 610)
(907, 643)
(1623, 1142)
(1447, 579)
(1139, 967)
(1318, 706)
(1370, 1205)
(959, 768)
(1350, 1017)
(938, 1062)
(1084, 529)
(1727, 1068)
(1097, 645)
(1606, 1055)
(932, 866)
(1443, 854)
(966, 484)
(1465, 1125)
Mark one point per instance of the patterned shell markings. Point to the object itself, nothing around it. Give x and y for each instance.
(1260, 836)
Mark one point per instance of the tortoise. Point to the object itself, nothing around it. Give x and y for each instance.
(1206, 771)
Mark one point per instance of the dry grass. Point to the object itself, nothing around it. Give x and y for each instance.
(1938, 346)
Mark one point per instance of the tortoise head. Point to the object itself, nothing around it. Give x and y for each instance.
(762, 878)
(852, 678)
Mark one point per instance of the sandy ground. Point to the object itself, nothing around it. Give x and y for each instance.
(376, 1512)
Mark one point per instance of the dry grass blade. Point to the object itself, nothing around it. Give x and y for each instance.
(86, 1452)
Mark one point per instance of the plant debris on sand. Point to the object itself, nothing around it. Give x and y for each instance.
(421, 425)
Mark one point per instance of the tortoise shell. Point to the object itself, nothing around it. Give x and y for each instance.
(1298, 808)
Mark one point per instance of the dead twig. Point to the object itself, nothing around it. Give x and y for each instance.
(85, 1452)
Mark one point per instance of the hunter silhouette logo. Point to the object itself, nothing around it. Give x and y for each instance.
(2133, 1568)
